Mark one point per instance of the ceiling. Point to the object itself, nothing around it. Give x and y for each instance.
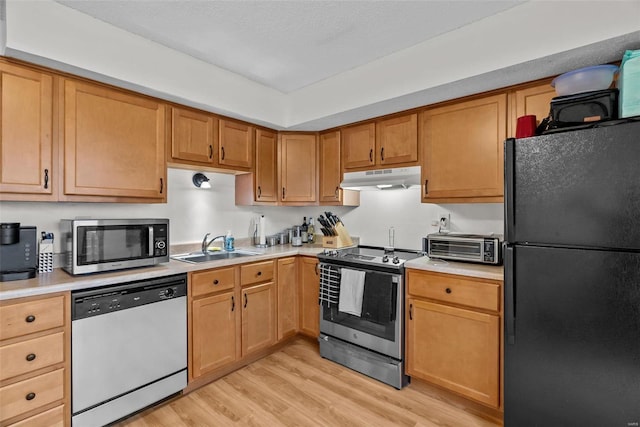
(288, 45)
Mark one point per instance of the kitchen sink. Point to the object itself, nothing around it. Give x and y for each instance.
(197, 257)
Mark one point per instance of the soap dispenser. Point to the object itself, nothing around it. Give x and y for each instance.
(228, 242)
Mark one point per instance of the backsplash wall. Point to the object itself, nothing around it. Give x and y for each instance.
(194, 212)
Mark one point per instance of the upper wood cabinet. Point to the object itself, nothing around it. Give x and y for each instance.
(298, 171)
(330, 171)
(266, 171)
(359, 146)
(397, 140)
(26, 144)
(534, 100)
(114, 143)
(463, 151)
(236, 145)
(388, 142)
(194, 136)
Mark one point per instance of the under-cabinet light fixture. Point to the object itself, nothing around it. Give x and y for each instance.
(200, 180)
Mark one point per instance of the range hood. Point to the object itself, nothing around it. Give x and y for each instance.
(382, 179)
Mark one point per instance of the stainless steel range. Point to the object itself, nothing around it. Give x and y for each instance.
(362, 310)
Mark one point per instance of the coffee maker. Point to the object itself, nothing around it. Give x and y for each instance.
(18, 252)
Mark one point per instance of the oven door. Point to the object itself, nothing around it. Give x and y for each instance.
(382, 335)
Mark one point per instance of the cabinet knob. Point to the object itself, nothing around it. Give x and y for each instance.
(30, 396)
(215, 282)
(259, 273)
(30, 357)
(448, 290)
(30, 318)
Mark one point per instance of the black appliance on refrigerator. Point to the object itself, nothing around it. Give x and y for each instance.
(572, 278)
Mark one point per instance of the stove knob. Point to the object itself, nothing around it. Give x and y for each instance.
(334, 253)
(385, 258)
(396, 260)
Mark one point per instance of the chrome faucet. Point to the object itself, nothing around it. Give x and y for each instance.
(206, 244)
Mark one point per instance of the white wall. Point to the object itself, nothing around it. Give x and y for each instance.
(194, 212)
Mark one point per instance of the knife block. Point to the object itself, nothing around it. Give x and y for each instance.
(343, 239)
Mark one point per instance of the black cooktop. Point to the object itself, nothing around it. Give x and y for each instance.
(374, 257)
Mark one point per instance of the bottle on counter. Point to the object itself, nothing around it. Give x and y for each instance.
(311, 230)
(304, 228)
(229, 242)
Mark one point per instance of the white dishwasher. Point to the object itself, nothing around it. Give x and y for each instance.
(129, 348)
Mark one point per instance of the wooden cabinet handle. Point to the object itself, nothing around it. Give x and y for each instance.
(246, 300)
(30, 357)
(46, 178)
(371, 155)
(259, 191)
(426, 187)
(215, 282)
(222, 149)
(233, 303)
(382, 154)
(30, 396)
(161, 185)
(210, 151)
(283, 193)
(410, 311)
(30, 318)
(448, 290)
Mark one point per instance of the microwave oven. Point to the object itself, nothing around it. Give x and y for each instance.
(482, 249)
(98, 245)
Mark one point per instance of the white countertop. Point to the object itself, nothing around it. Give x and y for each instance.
(482, 271)
(59, 280)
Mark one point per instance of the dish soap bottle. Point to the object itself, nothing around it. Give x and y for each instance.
(228, 242)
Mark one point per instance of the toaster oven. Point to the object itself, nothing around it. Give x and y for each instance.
(482, 249)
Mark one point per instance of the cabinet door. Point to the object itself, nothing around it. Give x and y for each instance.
(358, 146)
(463, 145)
(455, 348)
(266, 185)
(298, 180)
(26, 148)
(534, 100)
(309, 283)
(330, 172)
(114, 143)
(236, 145)
(193, 136)
(287, 298)
(397, 140)
(258, 317)
(214, 333)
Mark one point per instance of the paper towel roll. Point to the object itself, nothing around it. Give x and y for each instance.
(262, 232)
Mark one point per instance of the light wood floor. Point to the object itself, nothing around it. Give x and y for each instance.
(296, 387)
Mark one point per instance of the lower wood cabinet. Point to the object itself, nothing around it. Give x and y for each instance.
(308, 292)
(453, 334)
(287, 297)
(258, 317)
(35, 361)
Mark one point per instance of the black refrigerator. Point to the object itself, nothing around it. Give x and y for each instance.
(572, 278)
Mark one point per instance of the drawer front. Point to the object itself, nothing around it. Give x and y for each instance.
(455, 290)
(31, 394)
(206, 282)
(256, 272)
(29, 355)
(31, 316)
(51, 418)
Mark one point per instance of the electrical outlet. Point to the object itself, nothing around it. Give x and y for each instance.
(445, 221)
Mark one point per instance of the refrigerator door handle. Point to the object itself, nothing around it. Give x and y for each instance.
(509, 181)
(509, 295)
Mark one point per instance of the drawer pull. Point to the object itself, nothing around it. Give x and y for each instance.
(259, 273)
(215, 282)
(448, 290)
(30, 318)
(30, 396)
(30, 357)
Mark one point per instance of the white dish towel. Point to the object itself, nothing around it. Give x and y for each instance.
(351, 291)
